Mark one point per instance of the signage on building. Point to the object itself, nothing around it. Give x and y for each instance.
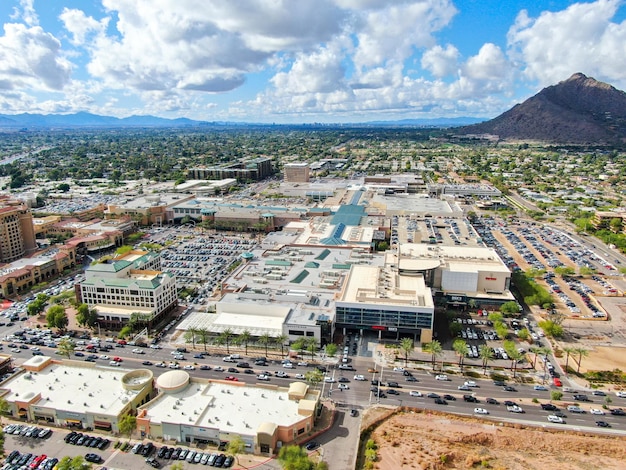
(379, 327)
(392, 328)
(457, 298)
(491, 278)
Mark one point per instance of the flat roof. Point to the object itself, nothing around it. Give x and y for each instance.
(72, 386)
(239, 409)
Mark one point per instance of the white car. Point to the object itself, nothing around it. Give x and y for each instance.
(280, 373)
(343, 386)
(114, 364)
(441, 377)
(189, 367)
(415, 393)
(262, 377)
(359, 377)
(218, 369)
(35, 348)
(398, 369)
(596, 411)
(156, 346)
(300, 376)
(541, 388)
(481, 411)
(470, 383)
(515, 409)
(329, 380)
(555, 419)
(303, 364)
(621, 394)
(138, 351)
(173, 365)
(288, 365)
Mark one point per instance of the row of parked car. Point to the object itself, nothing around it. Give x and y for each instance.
(80, 439)
(17, 461)
(27, 431)
(213, 459)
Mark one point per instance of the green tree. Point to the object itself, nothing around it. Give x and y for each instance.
(236, 446)
(406, 345)
(299, 345)
(190, 337)
(510, 308)
(56, 317)
(486, 354)
(66, 347)
(245, 338)
(294, 458)
(314, 377)
(331, 349)
(125, 332)
(86, 316)
(73, 463)
(495, 317)
(177, 466)
(564, 271)
(265, 340)
(434, 348)
(4, 409)
(556, 395)
(513, 353)
(311, 346)
(551, 329)
(127, 424)
(460, 347)
(523, 334)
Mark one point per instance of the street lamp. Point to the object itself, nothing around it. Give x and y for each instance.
(98, 324)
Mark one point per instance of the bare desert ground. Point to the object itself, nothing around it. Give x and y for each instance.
(426, 440)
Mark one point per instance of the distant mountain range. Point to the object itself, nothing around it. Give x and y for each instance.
(579, 110)
(93, 120)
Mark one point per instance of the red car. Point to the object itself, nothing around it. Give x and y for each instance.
(117, 359)
(557, 382)
(121, 341)
(232, 378)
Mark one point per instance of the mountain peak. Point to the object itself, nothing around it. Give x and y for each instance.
(580, 110)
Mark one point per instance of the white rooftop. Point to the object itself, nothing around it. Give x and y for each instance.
(239, 409)
(71, 386)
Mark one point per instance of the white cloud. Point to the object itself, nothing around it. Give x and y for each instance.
(393, 32)
(26, 12)
(581, 38)
(441, 61)
(31, 58)
(81, 25)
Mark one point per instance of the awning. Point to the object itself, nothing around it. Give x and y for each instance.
(102, 424)
(74, 421)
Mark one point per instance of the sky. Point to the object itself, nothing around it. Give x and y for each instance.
(300, 61)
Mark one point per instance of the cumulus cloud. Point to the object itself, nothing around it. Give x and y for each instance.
(31, 58)
(441, 61)
(581, 38)
(26, 12)
(80, 26)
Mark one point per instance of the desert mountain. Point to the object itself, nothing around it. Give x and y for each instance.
(579, 110)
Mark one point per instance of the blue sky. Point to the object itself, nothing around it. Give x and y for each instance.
(291, 61)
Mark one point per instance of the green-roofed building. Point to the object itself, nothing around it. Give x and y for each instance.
(131, 284)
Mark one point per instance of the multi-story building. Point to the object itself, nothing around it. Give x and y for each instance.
(133, 284)
(17, 234)
(255, 169)
(296, 172)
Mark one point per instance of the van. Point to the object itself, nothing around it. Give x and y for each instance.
(575, 409)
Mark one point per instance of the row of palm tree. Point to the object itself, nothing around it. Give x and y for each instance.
(228, 338)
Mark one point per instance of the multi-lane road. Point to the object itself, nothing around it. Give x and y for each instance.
(359, 394)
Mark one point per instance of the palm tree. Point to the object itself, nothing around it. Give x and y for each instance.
(204, 336)
(569, 350)
(486, 354)
(282, 339)
(227, 334)
(435, 349)
(4, 407)
(582, 352)
(460, 347)
(406, 344)
(244, 338)
(265, 340)
(311, 346)
(515, 356)
(190, 337)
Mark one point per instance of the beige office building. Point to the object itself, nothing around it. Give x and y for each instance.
(17, 233)
(296, 172)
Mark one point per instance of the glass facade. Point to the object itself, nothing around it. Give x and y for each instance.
(367, 317)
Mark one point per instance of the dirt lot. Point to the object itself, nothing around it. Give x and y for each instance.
(422, 440)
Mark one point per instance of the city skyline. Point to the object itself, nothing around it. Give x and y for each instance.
(306, 61)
